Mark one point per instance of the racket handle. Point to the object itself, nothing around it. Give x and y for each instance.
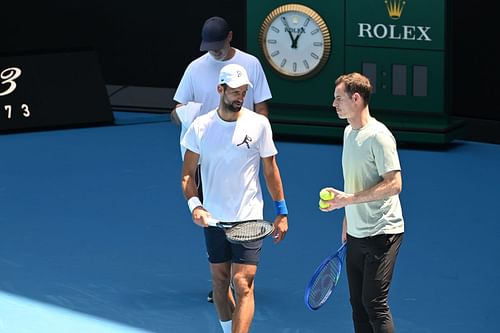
(212, 222)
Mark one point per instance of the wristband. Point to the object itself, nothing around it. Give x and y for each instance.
(194, 202)
(280, 207)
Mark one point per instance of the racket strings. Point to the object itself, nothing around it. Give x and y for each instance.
(325, 283)
(249, 231)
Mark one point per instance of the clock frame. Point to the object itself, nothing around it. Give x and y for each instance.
(284, 50)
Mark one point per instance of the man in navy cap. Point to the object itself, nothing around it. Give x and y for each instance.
(201, 75)
(214, 34)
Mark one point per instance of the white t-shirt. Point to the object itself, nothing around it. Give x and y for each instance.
(200, 79)
(369, 153)
(230, 156)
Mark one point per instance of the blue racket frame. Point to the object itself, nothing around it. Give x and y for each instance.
(340, 256)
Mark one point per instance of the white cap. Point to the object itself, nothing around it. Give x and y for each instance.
(234, 76)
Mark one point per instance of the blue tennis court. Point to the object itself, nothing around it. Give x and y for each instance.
(96, 237)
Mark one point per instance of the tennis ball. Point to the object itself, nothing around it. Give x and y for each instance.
(323, 204)
(326, 195)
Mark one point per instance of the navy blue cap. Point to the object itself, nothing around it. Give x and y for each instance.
(214, 34)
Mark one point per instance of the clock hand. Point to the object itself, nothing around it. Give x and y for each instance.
(294, 40)
(287, 28)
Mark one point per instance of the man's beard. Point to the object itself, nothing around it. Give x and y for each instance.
(233, 107)
(220, 57)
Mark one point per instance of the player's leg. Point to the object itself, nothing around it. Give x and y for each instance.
(355, 263)
(243, 277)
(223, 297)
(219, 256)
(210, 296)
(245, 260)
(380, 261)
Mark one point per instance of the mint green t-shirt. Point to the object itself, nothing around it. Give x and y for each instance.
(369, 153)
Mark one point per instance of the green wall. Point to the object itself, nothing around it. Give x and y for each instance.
(405, 58)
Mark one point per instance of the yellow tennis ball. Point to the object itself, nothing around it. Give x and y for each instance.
(326, 195)
(323, 204)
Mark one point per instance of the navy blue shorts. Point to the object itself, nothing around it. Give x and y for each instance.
(219, 250)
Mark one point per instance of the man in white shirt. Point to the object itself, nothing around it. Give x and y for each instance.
(201, 75)
(230, 143)
(196, 94)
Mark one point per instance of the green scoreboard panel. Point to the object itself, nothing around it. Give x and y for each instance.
(403, 80)
(401, 45)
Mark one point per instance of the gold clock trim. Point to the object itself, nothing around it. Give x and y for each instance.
(316, 18)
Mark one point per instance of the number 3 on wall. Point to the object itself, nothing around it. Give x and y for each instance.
(8, 76)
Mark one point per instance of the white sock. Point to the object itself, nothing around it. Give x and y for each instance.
(226, 326)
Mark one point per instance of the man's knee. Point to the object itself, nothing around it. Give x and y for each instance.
(243, 285)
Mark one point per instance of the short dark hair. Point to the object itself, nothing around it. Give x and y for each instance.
(356, 83)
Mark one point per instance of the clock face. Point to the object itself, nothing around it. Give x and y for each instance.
(295, 41)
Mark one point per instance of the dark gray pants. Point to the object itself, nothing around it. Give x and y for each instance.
(197, 180)
(370, 263)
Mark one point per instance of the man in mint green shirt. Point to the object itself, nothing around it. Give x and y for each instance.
(373, 225)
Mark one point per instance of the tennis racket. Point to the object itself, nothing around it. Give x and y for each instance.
(244, 231)
(324, 280)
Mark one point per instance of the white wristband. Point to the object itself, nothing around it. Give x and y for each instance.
(194, 202)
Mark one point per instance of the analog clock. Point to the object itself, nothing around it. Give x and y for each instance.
(295, 41)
